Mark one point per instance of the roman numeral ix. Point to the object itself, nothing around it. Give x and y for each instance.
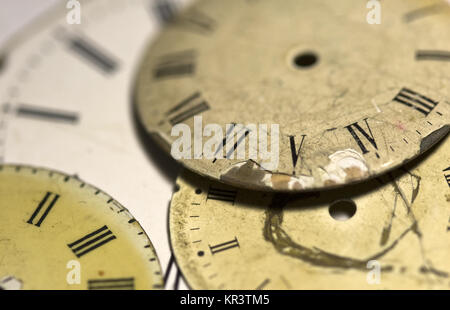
(368, 136)
(416, 101)
(47, 202)
(91, 241)
(224, 246)
(189, 107)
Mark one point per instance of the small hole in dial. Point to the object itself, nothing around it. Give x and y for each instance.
(305, 60)
(342, 210)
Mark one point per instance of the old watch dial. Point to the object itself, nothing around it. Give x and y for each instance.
(227, 238)
(51, 220)
(66, 103)
(352, 100)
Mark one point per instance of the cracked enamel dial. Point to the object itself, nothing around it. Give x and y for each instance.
(58, 232)
(352, 100)
(65, 96)
(399, 225)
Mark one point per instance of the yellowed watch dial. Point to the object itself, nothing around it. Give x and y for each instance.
(390, 233)
(352, 99)
(57, 232)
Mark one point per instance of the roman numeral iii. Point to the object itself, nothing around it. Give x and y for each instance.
(416, 101)
(91, 241)
(43, 209)
(224, 246)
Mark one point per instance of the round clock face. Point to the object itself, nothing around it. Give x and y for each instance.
(58, 232)
(389, 233)
(66, 104)
(350, 99)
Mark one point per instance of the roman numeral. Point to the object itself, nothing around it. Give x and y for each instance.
(93, 55)
(49, 201)
(46, 114)
(422, 12)
(416, 101)
(91, 241)
(175, 65)
(447, 176)
(111, 284)
(221, 195)
(295, 152)
(165, 10)
(241, 134)
(369, 136)
(198, 22)
(224, 246)
(433, 55)
(187, 108)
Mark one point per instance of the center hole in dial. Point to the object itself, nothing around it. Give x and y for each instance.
(342, 210)
(305, 60)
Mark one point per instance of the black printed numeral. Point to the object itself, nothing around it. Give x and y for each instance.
(295, 152)
(93, 55)
(221, 195)
(416, 101)
(91, 241)
(240, 134)
(369, 136)
(47, 202)
(111, 284)
(175, 65)
(224, 246)
(198, 22)
(447, 176)
(189, 107)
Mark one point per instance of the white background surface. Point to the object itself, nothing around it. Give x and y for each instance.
(14, 14)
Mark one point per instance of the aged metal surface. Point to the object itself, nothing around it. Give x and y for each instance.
(353, 100)
(49, 220)
(226, 238)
